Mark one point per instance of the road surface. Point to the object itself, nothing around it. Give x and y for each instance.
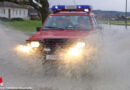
(111, 72)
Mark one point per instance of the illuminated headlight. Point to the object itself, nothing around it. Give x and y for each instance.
(81, 44)
(35, 44)
(75, 51)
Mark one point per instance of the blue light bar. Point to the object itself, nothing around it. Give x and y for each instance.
(83, 7)
(58, 8)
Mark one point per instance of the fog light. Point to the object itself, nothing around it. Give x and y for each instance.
(35, 44)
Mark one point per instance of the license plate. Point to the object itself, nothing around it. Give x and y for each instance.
(51, 57)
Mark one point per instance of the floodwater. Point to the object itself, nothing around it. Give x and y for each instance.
(110, 72)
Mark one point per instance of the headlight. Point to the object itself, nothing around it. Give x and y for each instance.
(81, 44)
(77, 50)
(35, 44)
(24, 48)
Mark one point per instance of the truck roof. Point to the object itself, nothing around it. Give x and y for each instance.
(72, 13)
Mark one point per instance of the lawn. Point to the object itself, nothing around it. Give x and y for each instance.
(30, 25)
(116, 22)
(26, 25)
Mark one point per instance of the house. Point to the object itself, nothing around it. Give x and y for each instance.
(11, 10)
(33, 13)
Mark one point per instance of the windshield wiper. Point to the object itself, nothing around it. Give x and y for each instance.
(52, 27)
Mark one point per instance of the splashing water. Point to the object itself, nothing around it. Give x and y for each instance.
(110, 72)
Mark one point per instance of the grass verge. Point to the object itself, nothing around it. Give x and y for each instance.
(116, 22)
(26, 25)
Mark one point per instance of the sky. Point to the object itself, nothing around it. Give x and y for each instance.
(109, 5)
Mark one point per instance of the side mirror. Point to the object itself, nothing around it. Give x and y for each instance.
(38, 29)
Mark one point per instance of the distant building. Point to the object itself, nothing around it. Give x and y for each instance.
(11, 10)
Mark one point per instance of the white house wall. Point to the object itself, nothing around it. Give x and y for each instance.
(19, 13)
(15, 12)
(3, 12)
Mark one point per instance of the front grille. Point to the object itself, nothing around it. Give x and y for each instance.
(52, 43)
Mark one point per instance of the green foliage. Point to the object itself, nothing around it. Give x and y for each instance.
(44, 10)
(17, 19)
(4, 19)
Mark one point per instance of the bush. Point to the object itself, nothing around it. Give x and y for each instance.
(17, 19)
(4, 19)
(13, 19)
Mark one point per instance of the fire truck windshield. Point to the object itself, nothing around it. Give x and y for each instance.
(68, 22)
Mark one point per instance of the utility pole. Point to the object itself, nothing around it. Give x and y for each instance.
(126, 15)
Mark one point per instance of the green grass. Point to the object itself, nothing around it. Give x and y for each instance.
(27, 25)
(115, 22)
(30, 25)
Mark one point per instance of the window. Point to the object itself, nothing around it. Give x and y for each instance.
(24, 12)
(68, 22)
(3, 11)
(19, 12)
(16, 12)
(13, 11)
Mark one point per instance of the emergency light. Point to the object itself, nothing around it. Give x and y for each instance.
(58, 8)
(1, 82)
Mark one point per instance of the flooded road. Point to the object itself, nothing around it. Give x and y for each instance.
(111, 72)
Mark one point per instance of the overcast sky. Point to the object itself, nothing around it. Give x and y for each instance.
(114, 5)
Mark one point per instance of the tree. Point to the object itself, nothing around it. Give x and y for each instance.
(41, 6)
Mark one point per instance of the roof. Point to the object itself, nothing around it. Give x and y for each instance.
(11, 4)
